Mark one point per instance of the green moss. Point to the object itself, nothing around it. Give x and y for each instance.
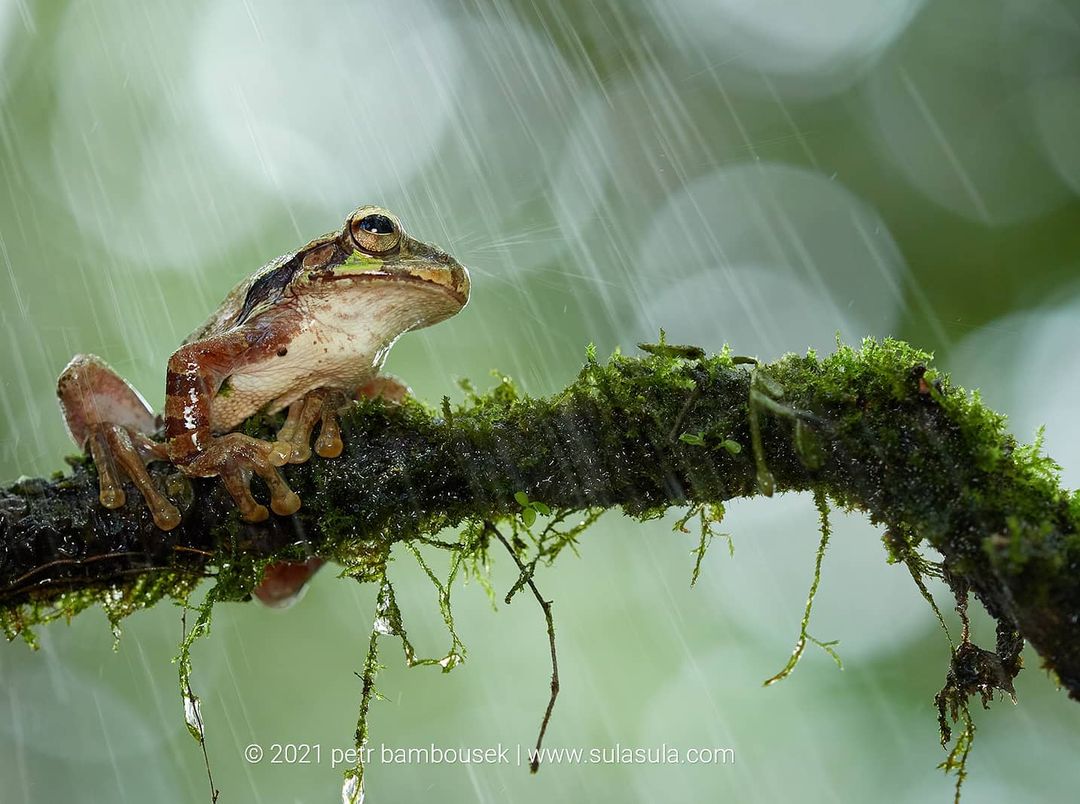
(709, 517)
(875, 429)
(822, 504)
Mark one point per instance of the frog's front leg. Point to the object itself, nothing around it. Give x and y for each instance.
(284, 581)
(195, 374)
(384, 386)
(293, 442)
(106, 416)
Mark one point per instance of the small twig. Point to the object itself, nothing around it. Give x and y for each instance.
(534, 763)
(190, 693)
(179, 548)
(59, 562)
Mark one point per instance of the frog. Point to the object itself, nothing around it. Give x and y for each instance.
(304, 334)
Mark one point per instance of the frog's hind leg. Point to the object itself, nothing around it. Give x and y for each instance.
(91, 393)
(106, 415)
(385, 386)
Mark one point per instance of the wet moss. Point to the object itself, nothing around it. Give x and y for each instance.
(876, 429)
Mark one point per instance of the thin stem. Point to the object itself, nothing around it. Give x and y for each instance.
(534, 763)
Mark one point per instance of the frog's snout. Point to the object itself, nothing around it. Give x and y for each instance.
(455, 276)
(459, 280)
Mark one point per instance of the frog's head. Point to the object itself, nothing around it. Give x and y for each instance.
(381, 246)
(375, 268)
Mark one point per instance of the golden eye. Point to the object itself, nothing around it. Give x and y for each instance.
(376, 233)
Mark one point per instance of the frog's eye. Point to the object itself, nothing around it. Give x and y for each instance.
(376, 233)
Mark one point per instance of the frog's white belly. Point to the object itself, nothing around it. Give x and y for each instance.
(316, 357)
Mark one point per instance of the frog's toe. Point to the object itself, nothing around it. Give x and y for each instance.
(294, 438)
(283, 500)
(236, 482)
(281, 453)
(111, 497)
(293, 444)
(329, 443)
(235, 457)
(118, 452)
(110, 492)
(285, 505)
(166, 516)
(285, 452)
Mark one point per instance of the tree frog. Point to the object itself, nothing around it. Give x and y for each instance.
(306, 332)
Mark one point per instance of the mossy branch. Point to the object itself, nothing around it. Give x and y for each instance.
(874, 429)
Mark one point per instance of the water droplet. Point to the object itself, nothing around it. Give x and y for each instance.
(352, 792)
(193, 716)
(382, 625)
(450, 661)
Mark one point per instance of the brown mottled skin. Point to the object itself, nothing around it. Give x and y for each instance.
(307, 332)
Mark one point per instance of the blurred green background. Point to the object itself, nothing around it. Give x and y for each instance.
(761, 173)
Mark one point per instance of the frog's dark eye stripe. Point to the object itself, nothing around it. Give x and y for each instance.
(268, 285)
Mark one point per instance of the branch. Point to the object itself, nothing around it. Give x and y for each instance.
(875, 430)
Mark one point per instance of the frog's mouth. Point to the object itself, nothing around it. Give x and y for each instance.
(452, 280)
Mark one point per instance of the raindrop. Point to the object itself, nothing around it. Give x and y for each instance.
(352, 791)
(809, 49)
(958, 130)
(769, 258)
(353, 124)
(193, 716)
(450, 661)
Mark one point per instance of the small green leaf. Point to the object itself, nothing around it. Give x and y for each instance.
(522, 498)
(528, 516)
(734, 447)
(541, 508)
(677, 350)
(694, 439)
